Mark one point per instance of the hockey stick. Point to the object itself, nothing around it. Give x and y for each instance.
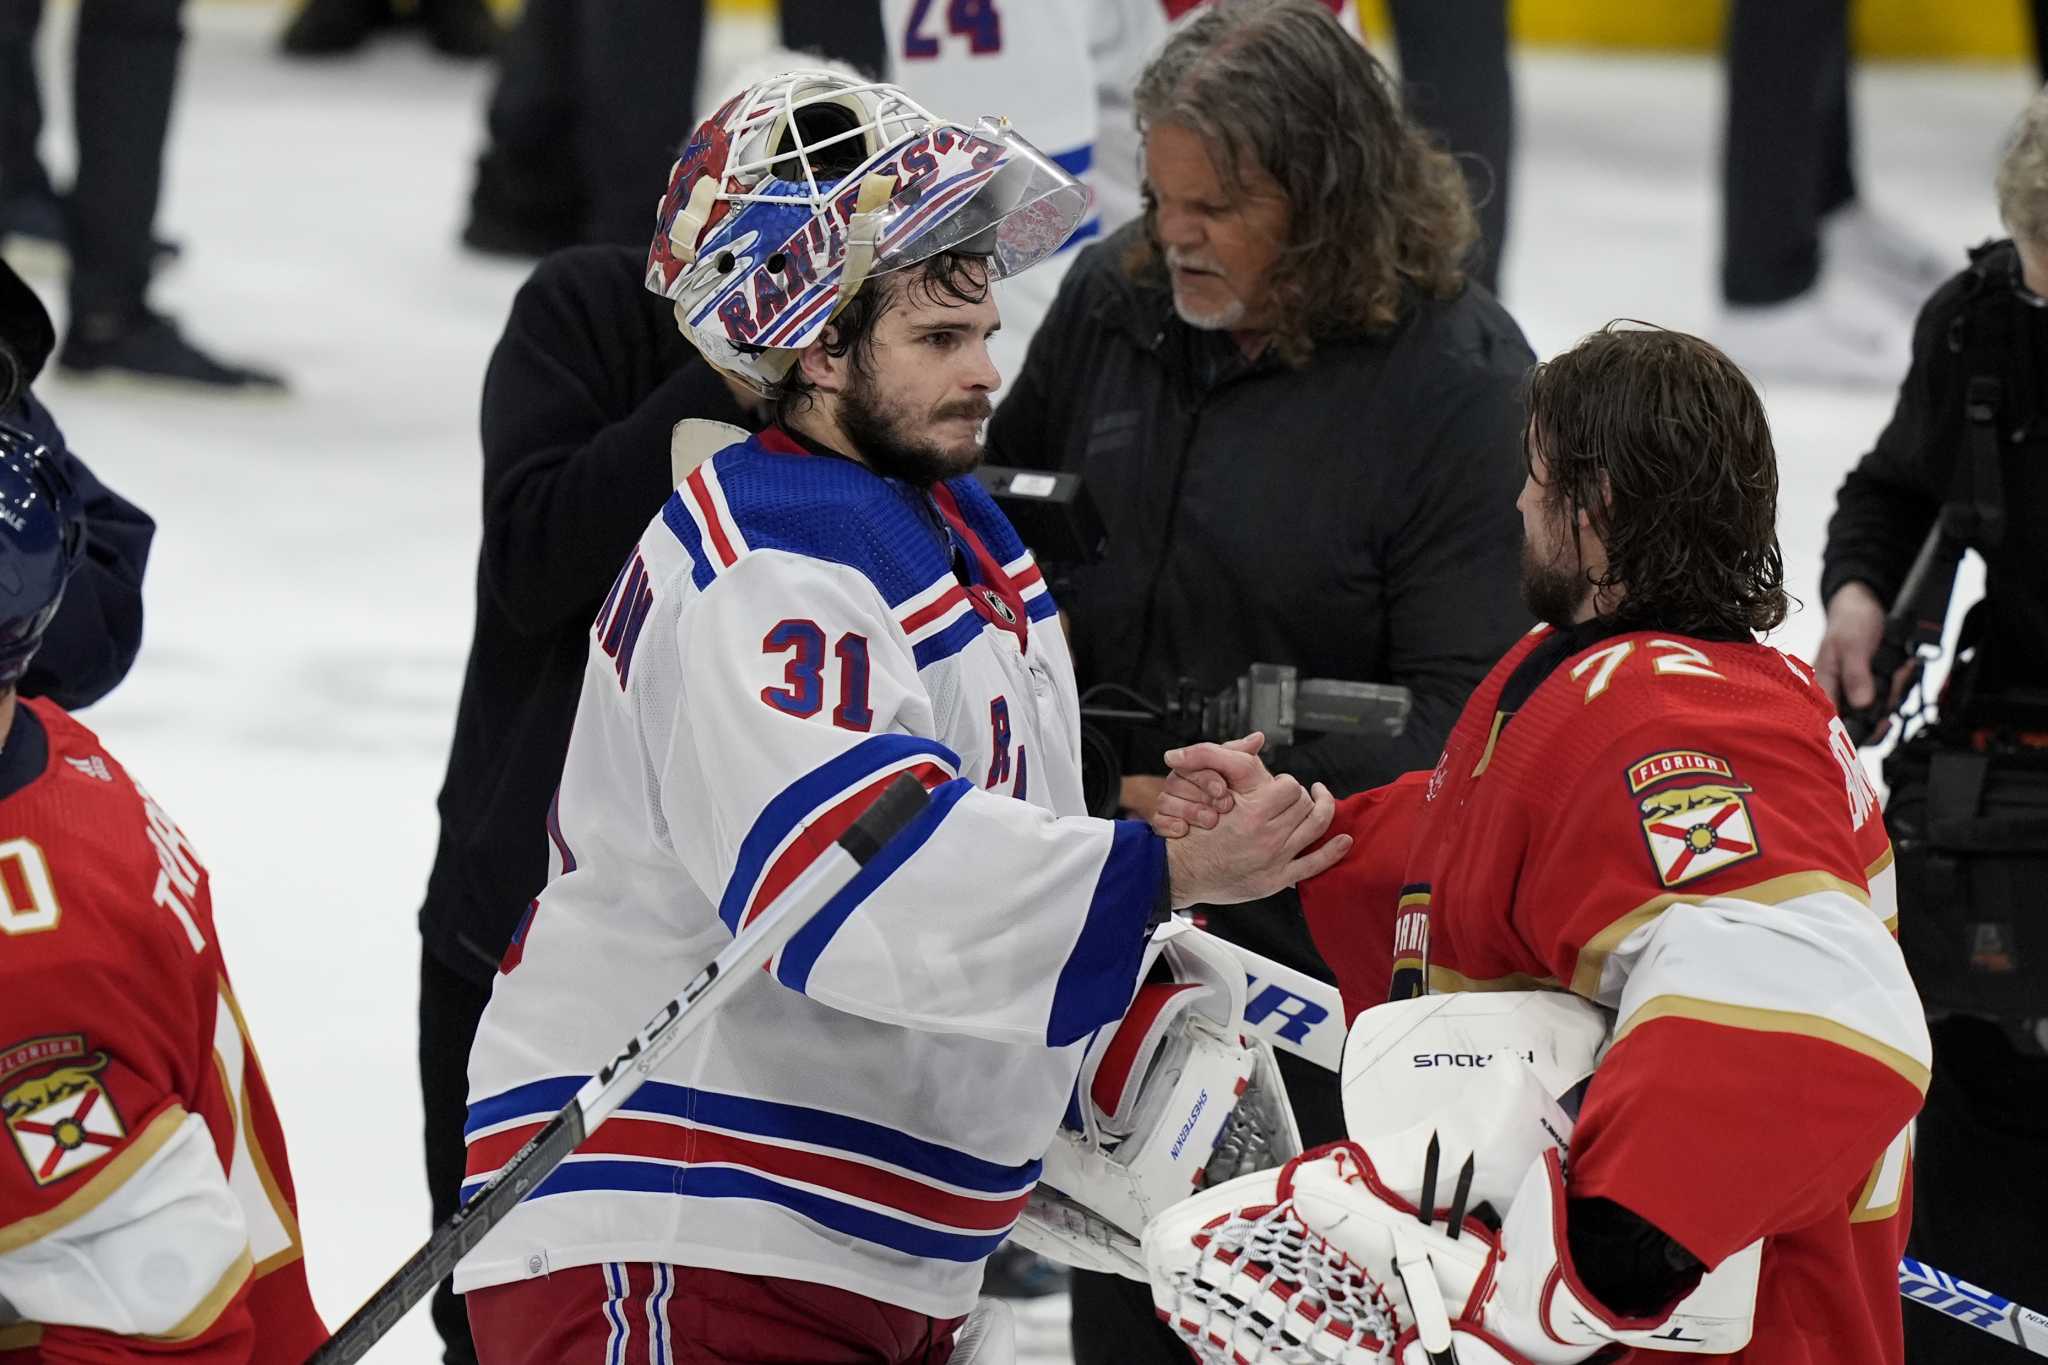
(1973, 1306)
(601, 1095)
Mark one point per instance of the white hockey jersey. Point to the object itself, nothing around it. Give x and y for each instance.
(1032, 64)
(789, 636)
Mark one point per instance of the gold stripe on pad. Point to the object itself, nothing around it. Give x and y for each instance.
(95, 1191)
(1760, 1020)
(1444, 981)
(1593, 957)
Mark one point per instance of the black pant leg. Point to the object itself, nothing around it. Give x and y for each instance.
(450, 1006)
(1837, 168)
(528, 174)
(21, 102)
(850, 33)
(2040, 12)
(1454, 65)
(1787, 85)
(1980, 1184)
(124, 73)
(1114, 1324)
(639, 100)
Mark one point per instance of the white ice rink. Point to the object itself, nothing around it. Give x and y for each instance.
(309, 598)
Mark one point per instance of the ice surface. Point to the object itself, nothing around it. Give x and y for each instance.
(309, 601)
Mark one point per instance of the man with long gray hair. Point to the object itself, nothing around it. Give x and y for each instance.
(1299, 418)
(1970, 431)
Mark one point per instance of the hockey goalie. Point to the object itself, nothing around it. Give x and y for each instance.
(1653, 817)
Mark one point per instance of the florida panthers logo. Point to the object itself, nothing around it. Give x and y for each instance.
(1692, 827)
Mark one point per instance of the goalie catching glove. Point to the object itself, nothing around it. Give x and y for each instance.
(1175, 1096)
(1376, 1251)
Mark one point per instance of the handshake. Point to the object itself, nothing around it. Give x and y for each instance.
(1234, 831)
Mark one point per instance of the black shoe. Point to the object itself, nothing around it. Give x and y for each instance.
(328, 28)
(460, 28)
(149, 346)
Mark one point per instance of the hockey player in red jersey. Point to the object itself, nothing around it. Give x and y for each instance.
(1647, 808)
(146, 1208)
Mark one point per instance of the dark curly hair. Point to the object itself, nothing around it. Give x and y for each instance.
(1661, 440)
(1374, 209)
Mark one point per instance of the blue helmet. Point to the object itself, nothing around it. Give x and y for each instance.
(42, 538)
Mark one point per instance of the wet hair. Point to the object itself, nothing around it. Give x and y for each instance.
(949, 278)
(1661, 440)
(1375, 210)
(2023, 174)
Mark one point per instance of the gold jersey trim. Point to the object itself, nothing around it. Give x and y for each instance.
(1760, 1020)
(109, 1178)
(1592, 962)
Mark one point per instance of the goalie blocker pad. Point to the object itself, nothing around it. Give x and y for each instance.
(1174, 1097)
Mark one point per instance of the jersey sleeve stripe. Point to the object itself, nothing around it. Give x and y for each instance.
(112, 1176)
(707, 508)
(1100, 973)
(774, 1120)
(801, 851)
(814, 794)
(792, 966)
(1755, 1019)
(676, 516)
(208, 1310)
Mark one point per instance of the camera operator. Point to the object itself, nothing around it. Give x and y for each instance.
(91, 642)
(1969, 443)
(1301, 423)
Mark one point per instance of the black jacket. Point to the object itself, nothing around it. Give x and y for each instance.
(1354, 518)
(582, 390)
(92, 640)
(1976, 324)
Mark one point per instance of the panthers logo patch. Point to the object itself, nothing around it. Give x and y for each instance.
(62, 1120)
(1692, 827)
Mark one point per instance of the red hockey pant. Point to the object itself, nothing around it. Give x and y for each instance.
(634, 1313)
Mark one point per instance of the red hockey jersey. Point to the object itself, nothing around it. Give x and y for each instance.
(146, 1192)
(1680, 831)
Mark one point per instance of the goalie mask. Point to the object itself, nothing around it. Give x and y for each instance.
(803, 187)
(1176, 1096)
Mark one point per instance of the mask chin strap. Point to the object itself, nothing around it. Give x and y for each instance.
(862, 237)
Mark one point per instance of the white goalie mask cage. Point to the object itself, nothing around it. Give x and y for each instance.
(805, 186)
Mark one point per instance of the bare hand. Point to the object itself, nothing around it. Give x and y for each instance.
(1855, 628)
(1139, 794)
(1199, 791)
(1842, 668)
(1260, 846)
